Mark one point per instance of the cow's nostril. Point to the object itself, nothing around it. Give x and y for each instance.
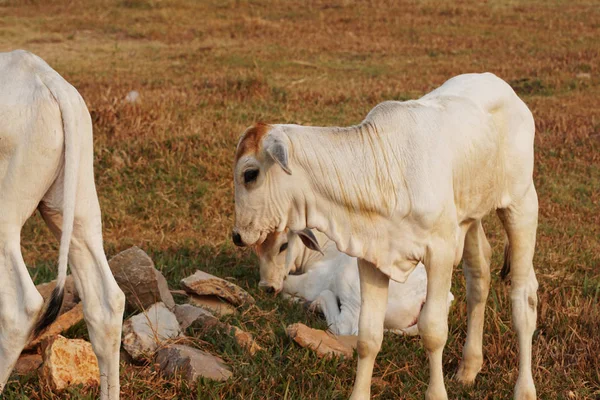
(237, 239)
(266, 287)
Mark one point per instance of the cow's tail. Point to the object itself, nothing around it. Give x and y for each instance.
(70, 104)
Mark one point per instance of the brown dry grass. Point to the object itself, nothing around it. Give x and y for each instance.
(207, 70)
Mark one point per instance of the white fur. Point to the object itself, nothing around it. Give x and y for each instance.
(331, 278)
(411, 183)
(46, 162)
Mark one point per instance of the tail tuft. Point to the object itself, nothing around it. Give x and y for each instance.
(51, 312)
(506, 267)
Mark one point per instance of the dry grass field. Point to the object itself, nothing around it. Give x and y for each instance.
(206, 70)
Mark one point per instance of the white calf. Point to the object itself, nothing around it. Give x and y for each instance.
(410, 183)
(330, 281)
(46, 162)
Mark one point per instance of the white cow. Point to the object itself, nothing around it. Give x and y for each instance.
(46, 163)
(329, 280)
(410, 183)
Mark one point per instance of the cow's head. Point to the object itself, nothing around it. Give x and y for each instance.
(272, 255)
(280, 254)
(265, 191)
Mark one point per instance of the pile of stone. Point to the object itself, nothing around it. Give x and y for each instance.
(155, 334)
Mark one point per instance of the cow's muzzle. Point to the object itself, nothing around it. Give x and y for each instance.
(268, 287)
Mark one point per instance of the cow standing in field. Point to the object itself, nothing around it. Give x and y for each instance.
(410, 183)
(330, 282)
(46, 163)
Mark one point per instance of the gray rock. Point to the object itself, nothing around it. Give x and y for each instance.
(142, 284)
(191, 363)
(144, 333)
(189, 315)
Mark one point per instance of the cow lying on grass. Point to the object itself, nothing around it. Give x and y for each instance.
(410, 183)
(46, 163)
(329, 280)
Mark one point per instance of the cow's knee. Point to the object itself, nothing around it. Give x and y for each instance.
(368, 347)
(19, 315)
(108, 312)
(33, 304)
(433, 329)
(116, 303)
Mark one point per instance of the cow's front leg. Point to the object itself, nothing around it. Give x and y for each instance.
(433, 320)
(374, 293)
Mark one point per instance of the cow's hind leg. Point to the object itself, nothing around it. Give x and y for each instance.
(476, 266)
(20, 302)
(374, 294)
(520, 222)
(103, 300)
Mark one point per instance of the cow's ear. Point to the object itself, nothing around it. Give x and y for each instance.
(277, 149)
(309, 240)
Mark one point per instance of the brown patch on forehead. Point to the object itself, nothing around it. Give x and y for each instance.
(267, 244)
(251, 140)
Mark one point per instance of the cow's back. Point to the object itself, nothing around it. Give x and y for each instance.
(489, 132)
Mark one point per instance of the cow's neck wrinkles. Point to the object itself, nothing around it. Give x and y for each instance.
(355, 167)
(348, 191)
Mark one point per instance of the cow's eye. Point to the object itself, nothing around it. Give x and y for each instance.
(250, 175)
(283, 247)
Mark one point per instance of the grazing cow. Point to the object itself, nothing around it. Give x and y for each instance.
(410, 183)
(46, 163)
(329, 280)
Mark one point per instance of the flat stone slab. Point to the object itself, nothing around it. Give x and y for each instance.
(188, 315)
(62, 323)
(144, 333)
(212, 304)
(142, 284)
(202, 283)
(191, 363)
(69, 362)
(325, 344)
